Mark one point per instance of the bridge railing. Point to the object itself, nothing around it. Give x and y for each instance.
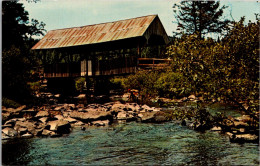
(150, 63)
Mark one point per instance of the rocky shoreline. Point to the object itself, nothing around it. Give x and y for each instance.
(60, 119)
(57, 120)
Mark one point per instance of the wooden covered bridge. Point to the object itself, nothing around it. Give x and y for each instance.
(104, 49)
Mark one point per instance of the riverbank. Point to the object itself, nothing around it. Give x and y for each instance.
(58, 120)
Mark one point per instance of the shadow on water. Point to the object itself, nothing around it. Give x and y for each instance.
(14, 151)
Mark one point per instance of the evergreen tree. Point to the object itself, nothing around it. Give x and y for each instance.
(201, 17)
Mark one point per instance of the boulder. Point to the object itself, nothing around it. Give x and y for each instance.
(47, 132)
(78, 123)
(147, 116)
(22, 130)
(160, 117)
(11, 122)
(245, 138)
(10, 132)
(101, 123)
(30, 125)
(42, 114)
(242, 130)
(244, 118)
(59, 117)
(43, 119)
(240, 124)
(5, 116)
(7, 125)
(27, 135)
(91, 115)
(20, 108)
(4, 136)
(59, 108)
(70, 120)
(215, 128)
(192, 97)
(61, 126)
(117, 107)
(121, 116)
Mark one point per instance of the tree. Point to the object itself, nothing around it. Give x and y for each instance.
(16, 25)
(227, 71)
(201, 17)
(17, 59)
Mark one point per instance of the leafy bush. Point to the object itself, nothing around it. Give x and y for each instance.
(80, 83)
(34, 86)
(172, 84)
(144, 81)
(117, 83)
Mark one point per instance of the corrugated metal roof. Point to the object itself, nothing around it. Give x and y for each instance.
(97, 33)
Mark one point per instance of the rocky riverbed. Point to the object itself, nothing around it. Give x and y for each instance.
(57, 120)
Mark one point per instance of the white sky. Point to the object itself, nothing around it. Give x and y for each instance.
(57, 14)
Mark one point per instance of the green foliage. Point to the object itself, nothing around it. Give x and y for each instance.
(17, 59)
(171, 84)
(144, 81)
(9, 103)
(117, 82)
(34, 86)
(199, 17)
(80, 83)
(16, 70)
(226, 70)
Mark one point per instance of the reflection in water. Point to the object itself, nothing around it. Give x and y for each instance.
(133, 144)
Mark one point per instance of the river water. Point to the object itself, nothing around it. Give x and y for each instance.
(131, 144)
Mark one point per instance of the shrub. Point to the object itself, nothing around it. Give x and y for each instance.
(10, 103)
(144, 81)
(171, 84)
(80, 83)
(117, 82)
(34, 86)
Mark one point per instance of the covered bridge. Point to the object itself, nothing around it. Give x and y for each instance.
(105, 49)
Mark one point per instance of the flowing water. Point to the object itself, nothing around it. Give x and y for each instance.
(131, 144)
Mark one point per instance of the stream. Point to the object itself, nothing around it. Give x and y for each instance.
(131, 144)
